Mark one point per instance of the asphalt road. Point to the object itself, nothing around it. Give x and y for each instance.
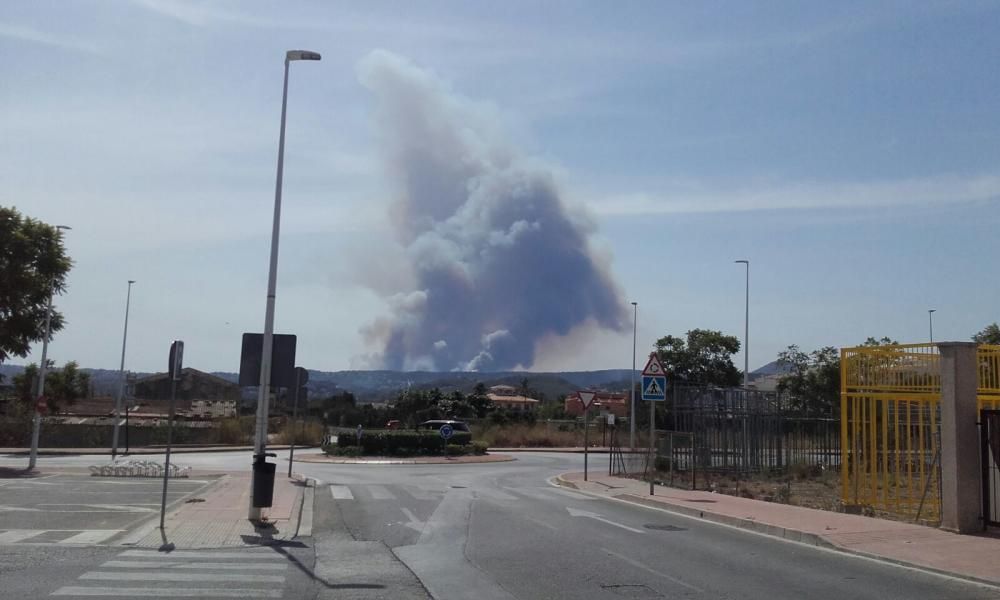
(502, 531)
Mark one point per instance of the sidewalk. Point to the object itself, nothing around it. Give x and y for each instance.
(966, 556)
(217, 518)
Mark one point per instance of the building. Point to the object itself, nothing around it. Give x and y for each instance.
(199, 394)
(614, 402)
(506, 397)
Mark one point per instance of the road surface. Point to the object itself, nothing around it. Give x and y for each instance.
(503, 531)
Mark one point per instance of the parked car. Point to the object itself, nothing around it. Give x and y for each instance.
(437, 424)
(393, 424)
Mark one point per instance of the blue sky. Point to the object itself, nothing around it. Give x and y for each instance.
(850, 150)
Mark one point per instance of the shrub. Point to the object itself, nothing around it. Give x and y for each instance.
(479, 448)
(309, 432)
(347, 451)
(403, 443)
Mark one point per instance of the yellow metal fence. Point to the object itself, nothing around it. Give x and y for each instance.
(890, 435)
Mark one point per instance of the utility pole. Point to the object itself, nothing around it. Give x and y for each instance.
(631, 412)
(121, 376)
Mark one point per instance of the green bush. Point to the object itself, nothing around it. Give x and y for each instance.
(479, 448)
(403, 443)
(346, 451)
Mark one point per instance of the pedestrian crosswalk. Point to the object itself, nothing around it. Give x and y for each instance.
(56, 536)
(249, 573)
(366, 492)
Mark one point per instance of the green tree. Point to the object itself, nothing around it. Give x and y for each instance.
(62, 386)
(813, 380)
(989, 335)
(480, 401)
(33, 264)
(705, 357)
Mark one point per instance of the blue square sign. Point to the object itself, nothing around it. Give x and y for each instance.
(654, 388)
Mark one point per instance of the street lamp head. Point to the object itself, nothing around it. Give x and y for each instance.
(931, 310)
(131, 281)
(745, 262)
(302, 55)
(66, 227)
(635, 304)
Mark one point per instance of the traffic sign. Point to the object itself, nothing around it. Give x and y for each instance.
(653, 367)
(446, 431)
(654, 388)
(586, 398)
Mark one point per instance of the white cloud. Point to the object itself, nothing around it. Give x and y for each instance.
(701, 198)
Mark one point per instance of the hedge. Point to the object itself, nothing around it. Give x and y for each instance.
(396, 443)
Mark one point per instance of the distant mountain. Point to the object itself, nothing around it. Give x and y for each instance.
(379, 386)
(772, 368)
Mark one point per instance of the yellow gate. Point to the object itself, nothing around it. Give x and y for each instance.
(890, 415)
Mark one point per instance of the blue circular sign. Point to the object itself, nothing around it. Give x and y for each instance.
(446, 431)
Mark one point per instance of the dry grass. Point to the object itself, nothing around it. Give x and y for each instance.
(528, 436)
(310, 434)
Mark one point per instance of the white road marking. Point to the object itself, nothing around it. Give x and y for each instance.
(91, 536)
(18, 509)
(254, 554)
(159, 576)
(341, 492)
(592, 515)
(16, 535)
(639, 565)
(137, 592)
(152, 564)
(379, 492)
(413, 523)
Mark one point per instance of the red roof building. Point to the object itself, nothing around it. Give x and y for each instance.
(613, 402)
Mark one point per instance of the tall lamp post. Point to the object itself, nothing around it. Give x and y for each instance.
(260, 439)
(930, 321)
(36, 421)
(746, 330)
(631, 412)
(121, 376)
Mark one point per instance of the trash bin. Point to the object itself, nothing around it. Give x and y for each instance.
(263, 480)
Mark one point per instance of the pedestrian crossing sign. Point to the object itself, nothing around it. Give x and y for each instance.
(654, 388)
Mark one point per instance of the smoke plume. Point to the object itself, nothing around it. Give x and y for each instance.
(498, 260)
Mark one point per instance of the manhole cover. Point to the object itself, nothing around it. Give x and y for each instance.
(665, 527)
(702, 500)
(632, 590)
(191, 500)
(458, 487)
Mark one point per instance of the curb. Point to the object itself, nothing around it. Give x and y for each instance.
(305, 525)
(793, 535)
(136, 535)
(402, 461)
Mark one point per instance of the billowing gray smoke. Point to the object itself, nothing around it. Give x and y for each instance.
(497, 259)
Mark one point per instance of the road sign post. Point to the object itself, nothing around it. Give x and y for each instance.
(654, 389)
(586, 398)
(174, 372)
(301, 377)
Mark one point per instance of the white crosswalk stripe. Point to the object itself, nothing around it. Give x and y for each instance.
(256, 573)
(341, 492)
(56, 536)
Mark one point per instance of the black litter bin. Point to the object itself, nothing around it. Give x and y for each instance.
(263, 480)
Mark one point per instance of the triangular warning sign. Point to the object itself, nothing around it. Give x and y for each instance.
(653, 389)
(586, 398)
(653, 367)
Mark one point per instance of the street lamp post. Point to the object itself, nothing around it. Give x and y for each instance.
(746, 330)
(121, 376)
(260, 439)
(631, 413)
(930, 321)
(36, 421)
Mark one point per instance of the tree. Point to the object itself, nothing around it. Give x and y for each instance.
(705, 357)
(33, 264)
(62, 386)
(813, 380)
(989, 335)
(480, 401)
